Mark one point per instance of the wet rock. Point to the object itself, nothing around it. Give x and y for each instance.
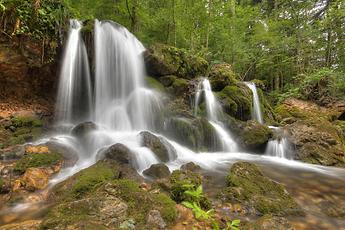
(248, 186)
(12, 152)
(36, 178)
(83, 129)
(317, 139)
(157, 171)
(236, 101)
(195, 133)
(162, 60)
(190, 166)
(155, 220)
(158, 145)
(222, 75)
(254, 135)
(118, 152)
(30, 149)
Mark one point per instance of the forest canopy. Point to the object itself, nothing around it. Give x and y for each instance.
(284, 43)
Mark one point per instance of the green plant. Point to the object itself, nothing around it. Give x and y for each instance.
(197, 210)
(233, 225)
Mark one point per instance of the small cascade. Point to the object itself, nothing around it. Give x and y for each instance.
(213, 110)
(257, 114)
(74, 100)
(122, 101)
(279, 146)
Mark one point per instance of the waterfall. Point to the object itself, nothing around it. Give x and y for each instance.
(279, 146)
(122, 101)
(74, 101)
(257, 114)
(213, 110)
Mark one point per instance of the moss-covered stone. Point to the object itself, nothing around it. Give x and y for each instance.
(36, 160)
(179, 87)
(222, 75)
(236, 101)
(93, 177)
(158, 145)
(314, 132)
(167, 80)
(255, 135)
(162, 60)
(247, 185)
(195, 133)
(154, 84)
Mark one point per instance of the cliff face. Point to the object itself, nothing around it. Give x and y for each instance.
(22, 74)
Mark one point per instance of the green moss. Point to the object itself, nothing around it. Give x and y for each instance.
(1, 184)
(179, 86)
(36, 160)
(28, 121)
(236, 101)
(91, 178)
(130, 192)
(154, 84)
(284, 111)
(222, 75)
(247, 184)
(255, 134)
(179, 179)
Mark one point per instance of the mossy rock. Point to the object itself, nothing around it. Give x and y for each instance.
(36, 160)
(179, 87)
(222, 75)
(195, 133)
(255, 135)
(236, 101)
(167, 80)
(110, 205)
(154, 84)
(91, 178)
(158, 145)
(162, 60)
(247, 185)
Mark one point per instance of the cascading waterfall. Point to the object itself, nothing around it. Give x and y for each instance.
(213, 110)
(122, 102)
(257, 114)
(279, 146)
(74, 100)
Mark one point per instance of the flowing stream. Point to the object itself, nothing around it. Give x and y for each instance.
(123, 107)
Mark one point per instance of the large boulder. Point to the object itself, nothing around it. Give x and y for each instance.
(118, 152)
(248, 186)
(158, 145)
(236, 101)
(254, 135)
(36, 178)
(162, 60)
(83, 129)
(195, 133)
(96, 197)
(318, 139)
(222, 75)
(157, 171)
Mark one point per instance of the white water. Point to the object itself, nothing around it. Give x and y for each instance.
(74, 101)
(122, 102)
(279, 146)
(257, 114)
(213, 110)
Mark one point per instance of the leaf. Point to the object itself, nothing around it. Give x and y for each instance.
(188, 204)
(236, 223)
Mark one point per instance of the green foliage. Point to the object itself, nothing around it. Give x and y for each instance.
(36, 160)
(39, 19)
(233, 225)
(197, 210)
